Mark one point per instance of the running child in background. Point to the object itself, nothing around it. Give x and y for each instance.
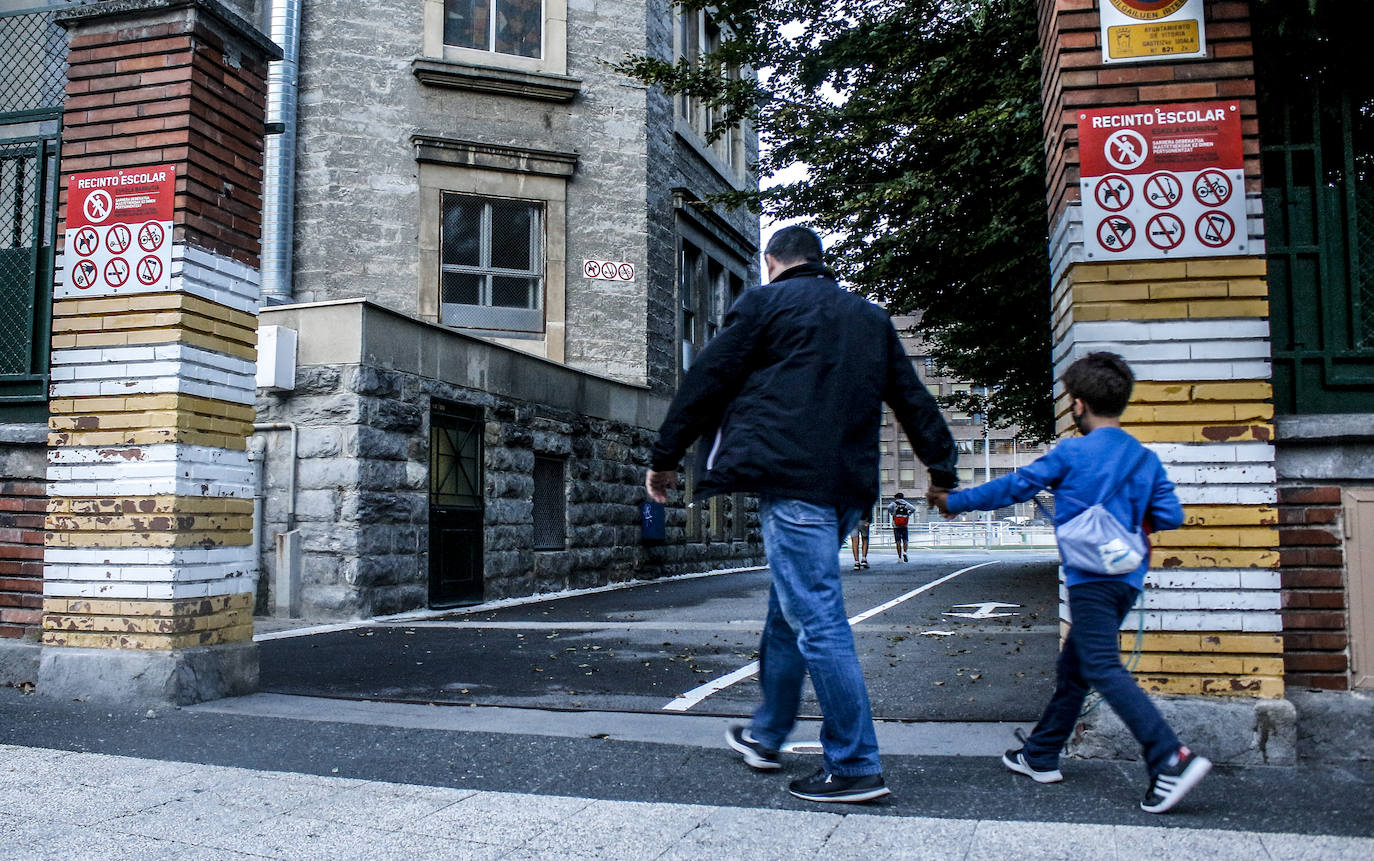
(1080, 471)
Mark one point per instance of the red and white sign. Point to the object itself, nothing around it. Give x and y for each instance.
(119, 222)
(608, 270)
(1173, 173)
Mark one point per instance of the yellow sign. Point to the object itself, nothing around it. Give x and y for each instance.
(1133, 41)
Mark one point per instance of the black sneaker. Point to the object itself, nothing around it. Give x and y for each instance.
(1174, 781)
(865, 563)
(1016, 761)
(756, 756)
(823, 786)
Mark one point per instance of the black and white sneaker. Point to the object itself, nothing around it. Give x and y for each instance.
(1174, 781)
(823, 786)
(1015, 760)
(756, 756)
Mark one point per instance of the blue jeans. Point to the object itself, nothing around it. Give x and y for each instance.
(1091, 658)
(807, 631)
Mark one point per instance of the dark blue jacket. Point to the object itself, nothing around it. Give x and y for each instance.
(789, 397)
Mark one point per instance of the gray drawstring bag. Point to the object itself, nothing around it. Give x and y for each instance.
(1095, 541)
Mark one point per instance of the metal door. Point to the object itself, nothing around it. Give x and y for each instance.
(455, 505)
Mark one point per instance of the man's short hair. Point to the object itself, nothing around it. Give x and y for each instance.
(899, 495)
(795, 245)
(1103, 381)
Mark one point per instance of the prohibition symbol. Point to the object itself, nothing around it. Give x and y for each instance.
(116, 271)
(98, 205)
(118, 239)
(149, 270)
(1212, 187)
(1115, 233)
(1126, 149)
(625, 271)
(1163, 190)
(591, 269)
(83, 274)
(1164, 231)
(86, 241)
(1113, 192)
(150, 236)
(1215, 229)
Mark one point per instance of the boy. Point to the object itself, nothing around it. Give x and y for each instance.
(860, 537)
(1077, 470)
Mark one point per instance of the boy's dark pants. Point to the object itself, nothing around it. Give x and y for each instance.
(1091, 658)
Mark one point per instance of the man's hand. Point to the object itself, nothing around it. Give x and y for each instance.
(657, 484)
(938, 498)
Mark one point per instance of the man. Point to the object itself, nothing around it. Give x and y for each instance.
(901, 512)
(789, 395)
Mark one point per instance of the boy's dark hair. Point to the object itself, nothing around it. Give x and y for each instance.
(899, 495)
(1103, 381)
(795, 245)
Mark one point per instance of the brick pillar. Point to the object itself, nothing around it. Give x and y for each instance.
(148, 579)
(23, 500)
(1196, 331)
(1315, 642)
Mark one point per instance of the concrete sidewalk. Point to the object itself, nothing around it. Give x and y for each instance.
(61, 805)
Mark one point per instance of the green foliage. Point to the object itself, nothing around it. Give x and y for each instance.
(919, 121)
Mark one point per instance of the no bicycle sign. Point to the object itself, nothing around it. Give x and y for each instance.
(1172, 176)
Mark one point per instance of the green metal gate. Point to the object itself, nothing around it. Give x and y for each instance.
(1317, 147)
(32, 80)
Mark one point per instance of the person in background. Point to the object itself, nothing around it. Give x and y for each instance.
(860, 537)
(901, 512)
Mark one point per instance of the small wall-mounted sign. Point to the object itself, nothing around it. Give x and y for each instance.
(608, 270)
(1138, 31)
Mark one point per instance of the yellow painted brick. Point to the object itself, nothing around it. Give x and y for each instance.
(147, 642)
(1225, 267)
(95, 606)
(1253, 412)
(168, 436)
(1147, 311)
(1228, 308)
(1253, 390)
(1230, 515)
(1147, 271)
(1260, 687)
(1154, 641)
(1088, 293)
(1154, 393)
(186, 606)
(1197, 412)
(1214, 665)
(1249, 287)
(1187, 289)
(147, 523)
(54, 605)
(1259, 536)
(164, 504)
(1092, 313)
(1081, 272)
(148, 539)
(147, 624)
(1220, 557)
(1253, 432)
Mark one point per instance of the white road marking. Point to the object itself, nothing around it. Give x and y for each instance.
(683, 702)
(984, 610)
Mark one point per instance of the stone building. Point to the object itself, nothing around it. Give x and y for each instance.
(461, 164)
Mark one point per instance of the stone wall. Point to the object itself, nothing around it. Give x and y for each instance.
(362, 475)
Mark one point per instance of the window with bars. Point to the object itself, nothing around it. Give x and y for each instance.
(550, 503)
(512, 27)
(491, 268)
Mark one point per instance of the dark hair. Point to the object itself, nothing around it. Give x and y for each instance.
(899, 495)
(1103, 381)
(795, 245)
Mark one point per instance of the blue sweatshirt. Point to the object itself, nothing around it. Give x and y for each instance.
(1076, 470)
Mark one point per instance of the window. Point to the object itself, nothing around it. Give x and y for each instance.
(503, 26)
(697, 36)
(550, 504)
(491, 263)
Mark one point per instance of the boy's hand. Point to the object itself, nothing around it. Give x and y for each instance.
(657, 484)
(938, 498)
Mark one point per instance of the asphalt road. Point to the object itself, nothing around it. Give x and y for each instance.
(641, 648)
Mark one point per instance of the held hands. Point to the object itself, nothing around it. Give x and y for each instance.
(938, 498)
(657, 484)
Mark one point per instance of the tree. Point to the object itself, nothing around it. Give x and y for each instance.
(919, 121)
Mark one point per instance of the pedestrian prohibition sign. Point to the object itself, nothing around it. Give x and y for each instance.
(1126, 149)
(83, 274)
(1164, 231)
(149, 270)
(1116, 233)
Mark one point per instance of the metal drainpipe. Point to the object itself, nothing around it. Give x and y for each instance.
(279, 161)
(291, 473)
